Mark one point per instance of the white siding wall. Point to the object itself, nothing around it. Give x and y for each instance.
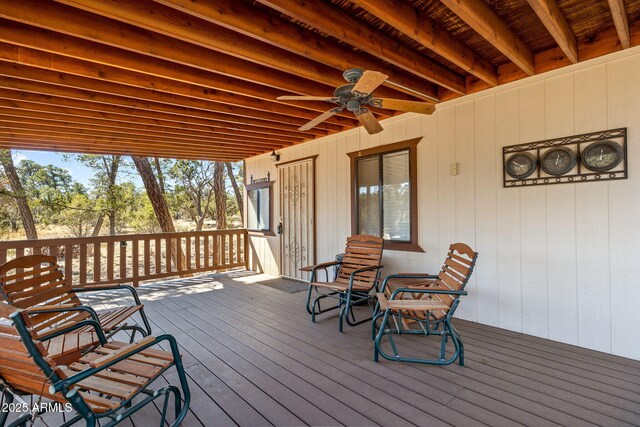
(559, 262)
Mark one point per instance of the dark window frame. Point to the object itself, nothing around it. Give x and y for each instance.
(412, 146)
(257, 186)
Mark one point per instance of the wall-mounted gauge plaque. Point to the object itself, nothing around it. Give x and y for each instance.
(596, 156)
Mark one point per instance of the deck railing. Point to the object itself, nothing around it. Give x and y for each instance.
(132, 258)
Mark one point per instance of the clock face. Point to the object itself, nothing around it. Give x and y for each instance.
(521, 165)
(558, 161)
(602, 156)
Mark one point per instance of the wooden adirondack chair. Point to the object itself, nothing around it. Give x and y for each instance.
(426, 302)
(357, 275)
(101, 384)
(36, 281)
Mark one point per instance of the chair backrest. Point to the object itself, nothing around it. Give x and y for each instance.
(36, 280)
(18, 368)
(361, 251)
(455, 273)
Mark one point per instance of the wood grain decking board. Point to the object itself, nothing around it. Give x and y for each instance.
(254, 358)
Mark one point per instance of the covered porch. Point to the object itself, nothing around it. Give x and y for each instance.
(253, 358)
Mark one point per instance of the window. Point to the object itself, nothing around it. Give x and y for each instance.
(384, 194)
(259, 207)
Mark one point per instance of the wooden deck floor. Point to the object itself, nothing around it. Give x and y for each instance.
(254, 358)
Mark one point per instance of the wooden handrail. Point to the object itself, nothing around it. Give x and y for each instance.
(132, 258)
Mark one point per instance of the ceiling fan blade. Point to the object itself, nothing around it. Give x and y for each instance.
(369, 81)
(368, 120)
(409, 106)
(322, 117)
(305, 98)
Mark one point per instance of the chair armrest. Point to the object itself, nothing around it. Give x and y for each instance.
(81, 324)
(427, 291)
(101, 288)
(320, 266)
(131, 348)
(406, 276)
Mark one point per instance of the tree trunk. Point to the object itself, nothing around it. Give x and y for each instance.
(220, 195)
(112, 173)
(159, 173)
(159, 204)
(18, 193)
(98, 226)
(236, 190)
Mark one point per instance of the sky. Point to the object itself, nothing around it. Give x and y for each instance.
(78, 171)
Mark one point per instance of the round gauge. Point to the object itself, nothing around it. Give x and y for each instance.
(521, 165)
(558, 161)
(602, 156)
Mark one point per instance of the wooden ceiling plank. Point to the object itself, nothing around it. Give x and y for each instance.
(126, 132)
(87, 147)
(149, 16)
(108, 99)
(104, 73)
(556, 23)
(281, 33)
(621, 21)
(20, 34)
(134, 94)
(479, 16)
(419, 26)
(41, 102)
(337, 23)
(8, 108)
(36, 133)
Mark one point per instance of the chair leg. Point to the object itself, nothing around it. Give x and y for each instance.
(378, 339)
(309, 300)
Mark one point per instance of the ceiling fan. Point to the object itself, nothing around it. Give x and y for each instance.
(356, 96)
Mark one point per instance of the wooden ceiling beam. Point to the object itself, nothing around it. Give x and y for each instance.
(479, 16)
(419, 26)
(9, 118)
(9, 108)
(619, 14)
(103, 98)
(556, 23)
(284, 34)
(25, 142)
(133, 94)
(71, 106)
(61, 19)
(339, 24)
(20, 34)
(150, 16)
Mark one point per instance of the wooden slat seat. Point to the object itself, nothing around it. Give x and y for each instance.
(117, 372)
(36, 282)
(358, 272)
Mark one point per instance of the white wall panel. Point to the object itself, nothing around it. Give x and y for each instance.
(558, 261)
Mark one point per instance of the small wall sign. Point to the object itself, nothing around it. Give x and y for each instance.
(259, 180)
(596, 156)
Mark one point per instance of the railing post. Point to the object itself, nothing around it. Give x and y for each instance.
(135, 261)
(246, 250)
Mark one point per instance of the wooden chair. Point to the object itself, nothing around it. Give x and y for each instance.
(36, 281)
(426, 302)
(110, 382)
(357, 274)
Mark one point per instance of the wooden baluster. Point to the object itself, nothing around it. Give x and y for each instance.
(123, 259)
(68, 264)
(110, 260)
(147, 257)
(3, 256)
(215, 251)
(135, 261)
(168, 247)
(206, 252)
(97, 259)
(158, 249)
(179, 253)
(246, 255)
(197, 250)
(238, 251)
(19, 253)
(230, 249)
(82, 279)
(53, 251)
(37, 250)
(187, 240)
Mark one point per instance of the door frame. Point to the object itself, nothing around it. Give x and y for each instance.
(315, 211)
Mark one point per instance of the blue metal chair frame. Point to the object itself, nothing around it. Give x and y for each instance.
(126, 408)
(346, 300)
